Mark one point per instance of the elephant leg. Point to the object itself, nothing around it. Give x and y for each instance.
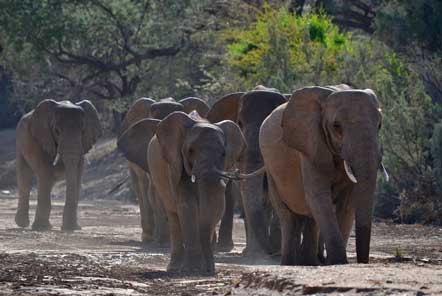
(161, 230)
(324, 214)
(225, 242)
(290, 233)
(177, 247)
(345, 214)
(44, 187)
(309, 246)
(146, 211)
(24, 182)
(189, 221)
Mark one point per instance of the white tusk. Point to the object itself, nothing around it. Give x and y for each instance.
(222, 182)
(384, 173)
(349, 172)
(88, 162)
(57, 158)
(193, 178)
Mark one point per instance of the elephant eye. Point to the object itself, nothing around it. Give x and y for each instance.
(337, 126)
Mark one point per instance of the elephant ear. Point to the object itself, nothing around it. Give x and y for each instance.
(171, 133)
(140, 109)
(197, 104)
(301, 124)
(92, 129)
(41, 125)
(235, 142)
(134, 141)
(225, 108)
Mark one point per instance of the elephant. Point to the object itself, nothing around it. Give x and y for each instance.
(52, 141)
(133, 141)
(321, 154)
(187, 158)
(249, 110)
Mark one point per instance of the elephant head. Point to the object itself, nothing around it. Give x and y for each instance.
(140, 109)
(66, 131)
(249, 110)
(337, 132)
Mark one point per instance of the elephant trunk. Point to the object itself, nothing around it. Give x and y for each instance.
(211, 193)
(73, 167)
(363, 165)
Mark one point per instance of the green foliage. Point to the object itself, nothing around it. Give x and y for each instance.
(283, 50)
(436, 151)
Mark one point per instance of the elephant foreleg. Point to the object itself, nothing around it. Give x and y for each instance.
(309, 247)
(346, 215)
(44, 185)
(177, 247)
(225, 241)
(161, 231)
(24, 182)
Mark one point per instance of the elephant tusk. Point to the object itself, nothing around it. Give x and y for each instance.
(88, 162)
(57, 158)
(349, 172)
(384, 172)
(193, 178)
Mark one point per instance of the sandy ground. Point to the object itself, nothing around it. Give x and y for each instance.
(106, 258)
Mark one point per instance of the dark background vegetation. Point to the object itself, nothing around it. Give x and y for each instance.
(114, 51)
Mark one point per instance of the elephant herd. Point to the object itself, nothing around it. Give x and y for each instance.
(302, 167)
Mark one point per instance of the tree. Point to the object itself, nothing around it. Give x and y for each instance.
(101, 47)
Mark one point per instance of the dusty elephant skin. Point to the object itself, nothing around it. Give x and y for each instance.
(51, 143)
(184, 158)
(249, 110)
(153, 218)
(321, 151)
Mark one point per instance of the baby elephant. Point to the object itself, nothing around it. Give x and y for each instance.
(187, 158)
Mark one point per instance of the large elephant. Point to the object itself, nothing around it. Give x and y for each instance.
(321, 152)
(132, 141)
(249, 110)
(187, 158)
(51, 143)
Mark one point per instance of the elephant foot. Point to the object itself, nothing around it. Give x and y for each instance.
(41, 226)
(161, 244)
(254, 252)
(22, 219)
(70, 227)
(336, 261)
(224, 246)
(175, 264)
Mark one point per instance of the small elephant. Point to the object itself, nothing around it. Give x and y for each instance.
(51, 143)
(187, 158)
(133, 141)
(321, 153)
(249, 110)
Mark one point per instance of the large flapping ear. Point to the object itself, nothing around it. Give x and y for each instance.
(92, 129)
(134, 141)
(197, 104)
(235, 142)
(225, 108)
(301, 123)
(41, 126)
(171, 133)
(140, 109)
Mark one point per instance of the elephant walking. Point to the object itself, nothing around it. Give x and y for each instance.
(249, 110)
(321, 153)
(187, 158)
(133, 141)
(51, 143)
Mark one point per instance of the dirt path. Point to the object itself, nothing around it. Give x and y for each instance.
(106, 258)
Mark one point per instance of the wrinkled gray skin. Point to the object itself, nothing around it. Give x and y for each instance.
(249, 110)
(63, 128)
(316, 133)
(133, 141)
(183, 158)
